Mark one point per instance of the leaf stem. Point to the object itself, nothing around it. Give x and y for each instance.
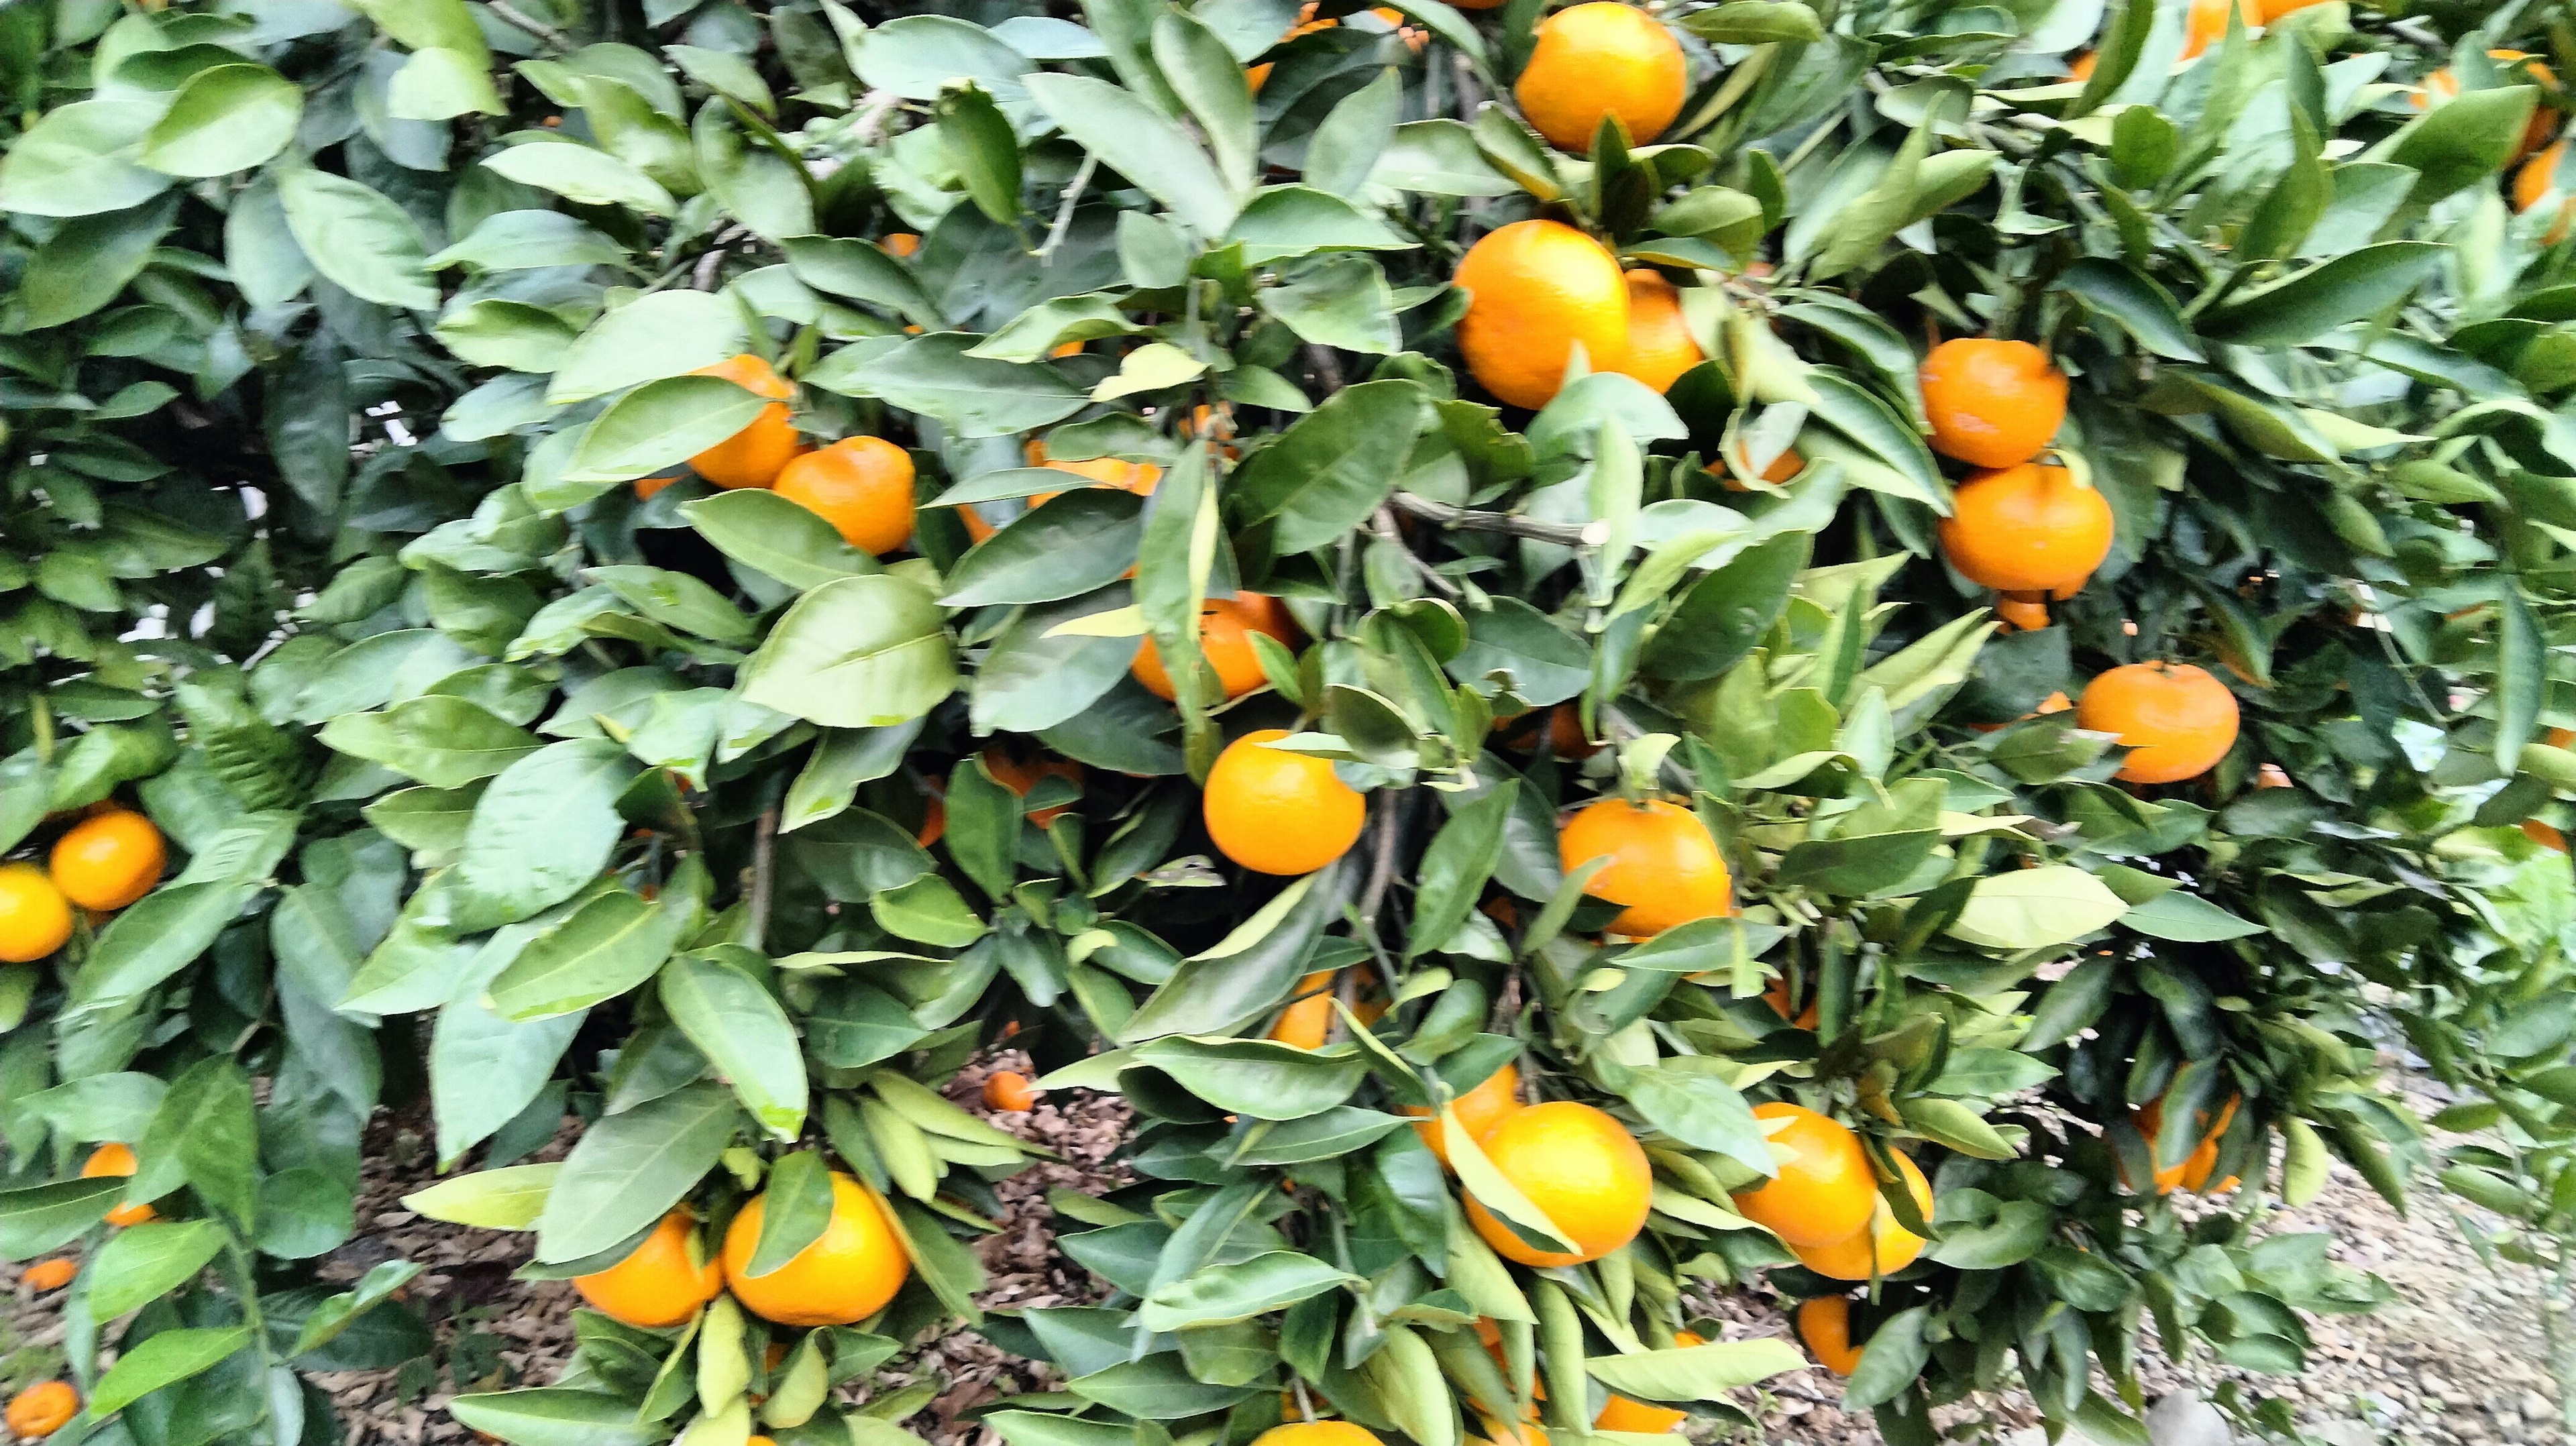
(1563, 534)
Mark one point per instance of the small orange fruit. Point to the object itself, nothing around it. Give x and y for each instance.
(1479, 1110)
(1776, 994)
(2533, 184)
(861, 485)
(113, 1159)
(902, 244)
(1577, 1165)
(934, 821)
(1009, 1090)
(1602, 59)
(42, 1409)
(1890, 1245)
(1226, 626)
(1663, 865)
(1783, 467)
(1276, 812)
(2080, 69)
(1660, 346)
(753, 456)
(2176, 720)
(108, 860)
(1020, 777)
(1823, 1191)
(51, 1274)
(662, 1282)
(2271, 775)
(1565, 737)
(2027, 528)
(1536, 290)
(35, 918)
(2193, 1171)
(2544, 835)
(1992, 403)
(845, 1276)
(1824, 1323)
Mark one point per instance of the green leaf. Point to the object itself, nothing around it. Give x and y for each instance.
(1948, 1122)
(154, 939)
(142, 1262)
(666, 334)
(508, 334)
(363, 243)
(168, 1358)
(2460, 142)
(1718, 621)
(2036, 908)
(579, 174)
(1334, 467)
(484, 1069)
(796, 1208)
(1348, 147)
(42, 1217)
(509, 1198)
(227, 118)
(2186, 917)
(1221, 1294)
(858, 652)
(1454, 869)
(744, 1033)
(1695, 1107)
(557, 1416)
(519, 240)
(1696, 1373)
(79, 160)
(611, 944)
(776, 537)
(1199, 69)
(1285, 221)
(1338, 301)
(937, 376)
(2521, 680)
(1257, 1077)
(660, 424)
(443, 741)
(1433, 157)
(541, 832)
(2134, 303)
(981, 145)
(863, 272)
(2352, 287)
(1139, 142)
(1755, 22)
(629, 1169)
(1079, 542)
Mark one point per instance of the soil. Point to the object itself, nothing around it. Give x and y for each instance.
(2457, 1358)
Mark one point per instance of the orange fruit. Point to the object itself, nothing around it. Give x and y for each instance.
(1660, 347)
(861, 485)
(1776, 994)
(1824, 1323)
(2207, 23)
(42, 1409)
(845, 1276)
(2022, 614)
(2027, 528)
(2080, 69)
(2444, 84)
(2271, 775)
(1602, 59)
(1226, 626)
(35, 918)
(1579, 1166)
(1275, 812)
(1020, 777)
(1783, 467)
(51, 1274)
(1306, 24)
(115, 1159)
(1663, 865)
(1565, 736)
(2193, 1171)
(2176, 720)
(662, 1282)
(1317, 1433)
(2275, 9)
(1306, 1020)
(1823, 1191)
(646, 487)
(1892, 1245)
(1992, 403)
(2533, 183)
(1009, 1090)
(1621, 1414)
(934, 821)
(902, 244)
(1479, 1110)
(2544, 835)
(753, 456)
(2053, 703)
(1536, 290)
(108, 860)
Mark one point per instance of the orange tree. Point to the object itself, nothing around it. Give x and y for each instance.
(1764, 645)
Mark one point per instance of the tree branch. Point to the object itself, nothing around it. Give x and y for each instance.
(1383, 524)
(1563, 534)
(553, 38)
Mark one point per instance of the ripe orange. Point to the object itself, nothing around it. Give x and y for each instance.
(2021, 615)
(2028, 528)
(2444, 84)
(753, 456)
(1479, 1110)
(2176, 720)
(1622, 1414)
(113, 1159)
(1663, 865)
(2275, 9)
(2533, 183)
(901, 244)
(1893, 1246)
(1992, 403)
(861, 485)
(1823, 1191)
(42, 1409)
(1776, 994)
(1226, 626)
(1275, 812)
(1579, 1166)
(2207, 23)
(35, 919)
(841, 1279)
(661, 1283)
(1537, 289)
(108, 860)
(1660, 347)
(1306, 1021)
(1317, 1433)
(1009, 1090)
(1602, 59)
(1824, 1323)
(1783, 467)
(2195, 1168)
(2080, 69)
(2544, 835)
(1020, 777)
(51, 1274)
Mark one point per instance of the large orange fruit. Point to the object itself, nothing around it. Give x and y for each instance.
(35, 919)
(1317, 1433)
(1824, 1323)
(1279, 813)
(662, 1282)
(1479, 1110)
(753, 456)
(1538, 289)
(1992, 403)
(42, 1409)
(1602, 59)
(108, 860)
(1823, 1191)
(1892, 1245)
(1660, 347)
(2028, 528)
(1226, 626)
(861, 485)
(1579, 1166)
(1663, 865)
(2176, 720)
(845, 1276)
(1019, 777)
(114, 1159)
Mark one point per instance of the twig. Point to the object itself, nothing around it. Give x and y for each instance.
(1327, 370)
(764, 861)
(1471, 91)
(1383, 524)
(1381, 869)
(1563, 534)
(531, 24)
(1064, 209)
(704, 277)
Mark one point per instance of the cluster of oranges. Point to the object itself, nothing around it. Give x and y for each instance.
(846, 1275)
(46, 1407)
(108, 859)
(863, 486)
